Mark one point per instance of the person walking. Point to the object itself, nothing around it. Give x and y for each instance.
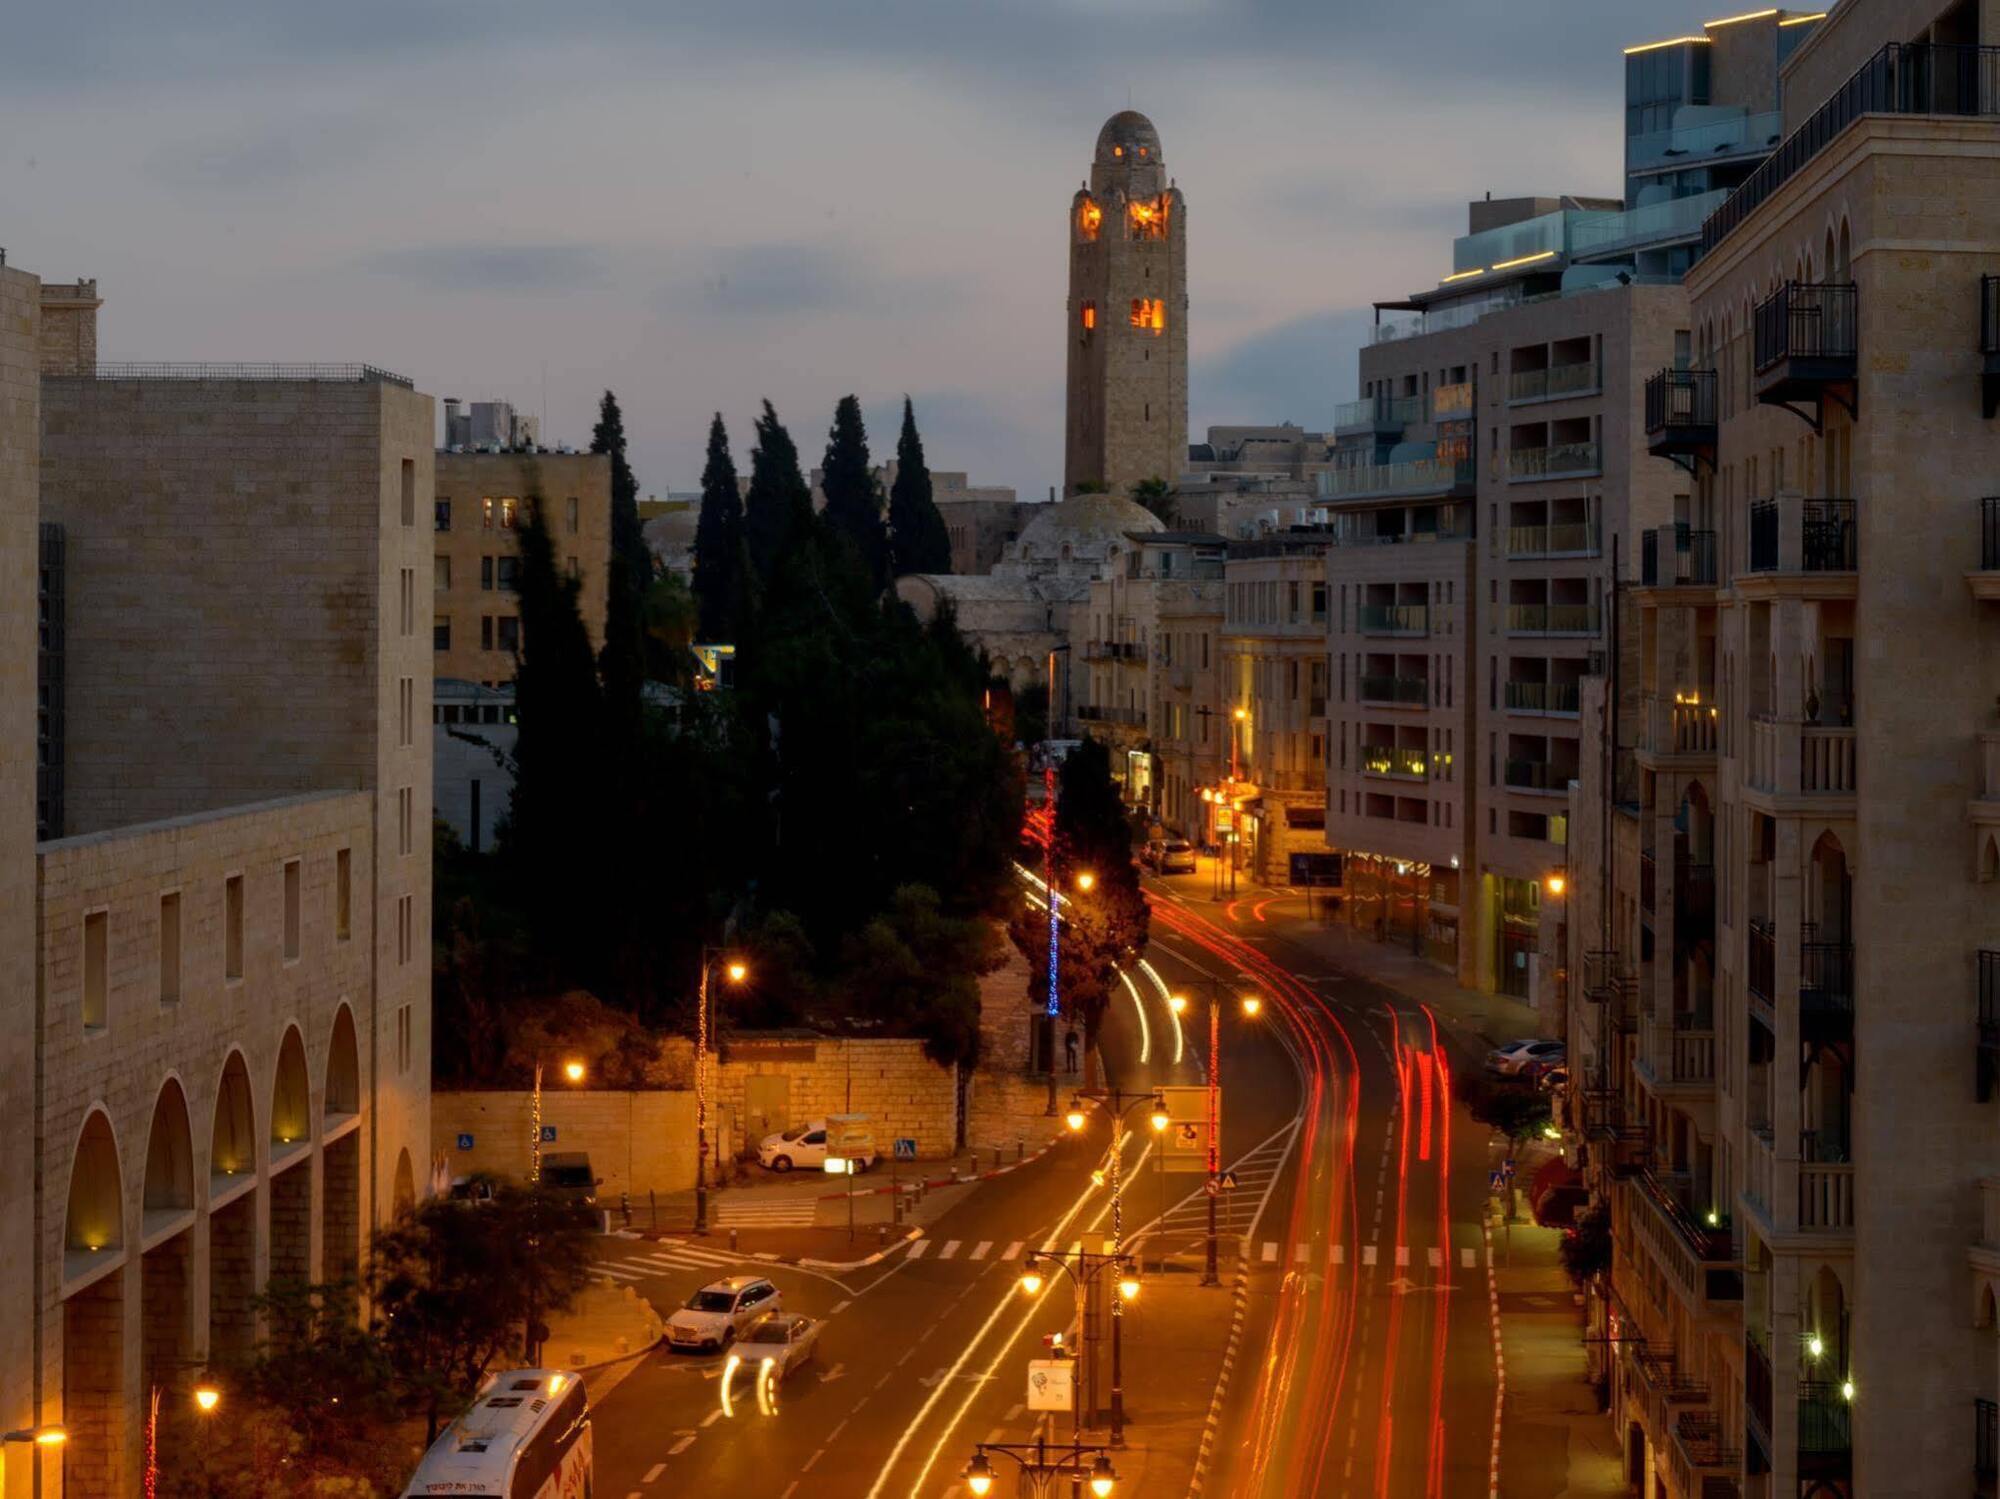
(1069, 1047)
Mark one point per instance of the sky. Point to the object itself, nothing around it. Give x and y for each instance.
(702, 203)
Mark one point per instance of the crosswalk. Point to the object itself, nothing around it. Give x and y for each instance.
(790, 1212)
(667, 1257)
(1270, 1252)
(1234, 1209)
(948, 1250)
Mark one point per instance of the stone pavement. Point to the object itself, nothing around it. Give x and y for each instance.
(602, 1335)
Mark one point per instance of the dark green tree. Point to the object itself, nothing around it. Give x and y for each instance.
(1157, 495)
(1585, 1247)
(628, 540)
(853, 493)
(918, 540)
(778, 511)
(718, 542)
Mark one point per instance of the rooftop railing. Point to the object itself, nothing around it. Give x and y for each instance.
(331, 373)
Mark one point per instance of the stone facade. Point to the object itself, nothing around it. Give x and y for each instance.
(769, 1083)
(1125, 326)
(69, 327)
(476, 621)
(638, 1142)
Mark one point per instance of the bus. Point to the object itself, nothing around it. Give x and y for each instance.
(527, 1436)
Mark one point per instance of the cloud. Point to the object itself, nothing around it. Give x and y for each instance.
(493, 268)
(789, 280)
(1295, 372)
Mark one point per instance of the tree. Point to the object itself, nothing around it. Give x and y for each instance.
(457, 1287)
(718, 542)
(853, 493)
(628, 539)
(1157, 495)
(1512, 1110)
(1585, 1247)
(778, 512)
(918, 540)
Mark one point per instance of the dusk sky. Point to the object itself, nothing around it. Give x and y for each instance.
(700, 204)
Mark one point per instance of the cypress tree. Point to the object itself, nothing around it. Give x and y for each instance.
(918, 540)
(628, 540)
(853, 494)
(718, 543)
(778, 510)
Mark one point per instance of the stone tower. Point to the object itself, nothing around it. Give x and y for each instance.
(1126, 324)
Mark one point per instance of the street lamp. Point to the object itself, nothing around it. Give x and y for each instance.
(1117, 1104)
(1252, 1006)
(1084, 1266)
(573, 1070)
(1085, 881)
(736, 971)
(1041, 1465)
(207, 1398)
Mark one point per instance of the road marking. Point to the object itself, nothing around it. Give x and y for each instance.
(796, 1213)
(1340, 1254)
(834, 1435)
(1302, 1251)
(788, 1489)
(653, 1473)
(807, 1465)
(950, 1249)
(839, 1307)
(1466, 1257)
(980, 1250)
(625, 1275)
(711, 1418)
(917, 1249)
(1436, 1256)
(828, 1376)
(1013, 1250)
(683, 1444)
(1367, 1254)
(1402, 1255)
(1013, 1412)
(1270, 1252)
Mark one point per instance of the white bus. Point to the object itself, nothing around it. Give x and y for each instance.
(527, 1436)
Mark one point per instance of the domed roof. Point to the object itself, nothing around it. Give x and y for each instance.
(1128, 136)
(1088, 523)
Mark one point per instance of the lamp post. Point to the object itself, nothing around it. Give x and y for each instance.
(574, 1071)
(1117, 1105)
(735, 971)
(1252, 1006)
(1083, 1267)
(31, 1436)
(1042, 1466)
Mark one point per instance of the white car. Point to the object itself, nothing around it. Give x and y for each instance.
(718, 1314)
(804, 1145)
(784, 1341)
(1526, 1058)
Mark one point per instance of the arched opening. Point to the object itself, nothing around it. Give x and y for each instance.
(232, 1216)
(94, 1315)
(340, 1172)
(166, 1311)
(291, 1163)
(1989, 859)
(405, 1197)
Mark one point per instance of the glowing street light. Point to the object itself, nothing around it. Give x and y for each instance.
(573, 1071)
(1178, 1003)
(1252, 1005)
(40, 1436)
(1814, 1347)
(1102, 1479)
(1074, 1118)
(1030, 1283)
(1128, 1288)
(206, 1398)
(1557, 884)
(979, 1474)
(1160, 1121)
(1085, 881)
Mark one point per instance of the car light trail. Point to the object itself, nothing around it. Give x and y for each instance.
(1441, 1319)
(1139, 1008)
(1180, 1036)
(728, 1378)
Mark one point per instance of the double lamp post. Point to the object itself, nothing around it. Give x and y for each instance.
(1252, 1007)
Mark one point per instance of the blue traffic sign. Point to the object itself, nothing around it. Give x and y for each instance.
(906, 1150)
(548, 1134)
(465, 1142)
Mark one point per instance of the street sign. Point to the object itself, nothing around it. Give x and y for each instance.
(465, 1142)
(1493, 1181)
(1212, 1187)
(1507, 1167)
(906, 1150)
(548, 1134)
(1184, 1147)
(1229, 1181)
(1051, 1384)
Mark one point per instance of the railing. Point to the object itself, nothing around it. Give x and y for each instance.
(1572, 539)
(1544, 697)
(1553, 382)
(1648, 879)
(1762, 964)
(1826, 975)
(1695, 1453)
(1825, 536)
(1826, 1197)
(1908, 78)
(1552, 619)
(1679, 399)
(1989, 315)
(1537, 775)
(1685, 1248)
(1676, 557)
(1758, 1169)
(1989, 533)
(1121, 650)
(1382, 413)
(1395, 619)
(1394, 760)
(1680, 726)
(1098, 713)
(1554, 461)
(1985, 1440)
(1693, 1058)
(1414, 691)
(1757, 1383)
(1825, 1425)
(332, 373)
(1600, 234)
(1826, 758)
(1417, 476)
(1805, 320)
(1697, 145)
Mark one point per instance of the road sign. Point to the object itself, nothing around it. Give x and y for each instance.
(1507, 1168)
(1229, 1181)
(548, 1134)
(906, 1150)
(1184, 1147)
(1212, 1187)
(1494, 1180)
(465, 1142)
(1051, 1384)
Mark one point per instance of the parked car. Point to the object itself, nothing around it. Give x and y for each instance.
(567, 1174)
(1554, 1077)
(718, 1314)
(806, 1145)
(1525, 1059)
(1149, 853)
(1176, 857)
(784, 1340)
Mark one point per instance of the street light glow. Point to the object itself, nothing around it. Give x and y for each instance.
(1242, 714)
(1177, 1003)
(51, 1436)
(1128, 1288)
(1847, 1389)
(573, 1071)
(1160, 1120)
(1557, 884)
(737, 972)
(1085, 881)
(1251, 1005)
(1814, 1346)
(1030, 1283)
(1074, 1118)
(1102, 1479)
(207, 1397)
(979, 1474)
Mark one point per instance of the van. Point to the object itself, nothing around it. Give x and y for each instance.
(567, 1175)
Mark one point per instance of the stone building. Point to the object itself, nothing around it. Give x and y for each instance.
(1785, 1051)
(217, 1063)
(1126, 323)
(478, 508)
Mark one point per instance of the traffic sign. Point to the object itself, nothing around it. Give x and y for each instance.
(1184, 1147)
(548, 1134)
(1050, 1384)
(1212, 1187)
(465, 1141)
(906, 1150)
(1229, 1181)
(1494, 1180)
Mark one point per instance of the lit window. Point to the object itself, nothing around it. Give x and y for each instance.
(1149, 312)
(1117, 150)
(1088, 218)
(1147, 218)
(486, 513)
(1089, 316)
(507, 514)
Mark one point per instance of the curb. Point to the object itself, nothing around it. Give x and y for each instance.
(874, 1259)
(1499, 1362)
(1212, 1425)
(954, 1180)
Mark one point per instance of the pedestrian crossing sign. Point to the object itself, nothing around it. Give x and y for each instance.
(1229, 1181)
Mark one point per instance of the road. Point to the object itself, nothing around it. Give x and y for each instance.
(1360, 1189)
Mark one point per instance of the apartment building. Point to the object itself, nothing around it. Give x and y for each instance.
(1787, 918)
(1190, 733)
(217, 1057)
(478, 510)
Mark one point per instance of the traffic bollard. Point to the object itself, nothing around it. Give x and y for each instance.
(653, 1208)
(625, 1207)
(1020, 1150)
(732, 1241)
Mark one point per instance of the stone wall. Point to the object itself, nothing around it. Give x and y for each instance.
(904, 1094)
(69, 327)
(637, 1142)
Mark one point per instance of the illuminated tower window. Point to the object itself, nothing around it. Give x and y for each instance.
(1147, 218)
(1088, 218)
(1089, 316)
(1149, 312)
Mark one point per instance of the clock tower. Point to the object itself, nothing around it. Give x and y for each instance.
(1125, 328)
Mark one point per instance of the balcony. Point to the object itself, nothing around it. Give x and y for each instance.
(1681, 416)
(1555, 382)
(1397, 762)
(1826, 1197)
(1790, 534)
(1826, 763)
(1989, 344)
(1691, 1058)
(1648, 880)
(1442, 477)
(1826, 1430)
(1907, 78)
(1382, 414)
(1676, 557)
(1558, 461)
(1578, 539)
(1985, 583)
(1394, 619)
(1826, 987)
(1403, 692)
(1099, 713)
(1702, 1466)
(1537, 775)
(1745, 135)
(1761, 960)
(1757, 1386)
(1114, 650)
(1805, 342)
(1989, 1022)
(1552, 619)
(1697, 1258)
(1550, 699)
(1986, 1446)
(1680, 726)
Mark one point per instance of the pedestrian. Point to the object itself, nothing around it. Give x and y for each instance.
(1069, 1047)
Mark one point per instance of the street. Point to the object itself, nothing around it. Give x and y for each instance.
(1368, 1358)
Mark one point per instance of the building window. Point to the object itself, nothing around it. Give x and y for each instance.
(1089, 218)
(1149, 312)
(507, 511)
(1089, 316)
(441, 574)
(96, 970)
(509, 574)
(486, 632)
(405, 927)
(343, 894)
(486, 513)
(442, 510)
(407, 601)
(574, 515)
(486, 574)
(441, 632)
(405, 813)
(292, 922)
(232, 927)
(403, 1038)
(406, 709)
(510, 633)
(409, 492)
(170, 947)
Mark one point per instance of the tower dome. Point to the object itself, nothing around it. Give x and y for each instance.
(1128, 137)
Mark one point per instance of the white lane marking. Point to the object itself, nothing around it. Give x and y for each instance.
(682, 1445)
(950, 1249)
(981, 1249)
(1270, 1251)
(807, 1465)
(1402, 1255)
(653, 1473)
(1367, 1254)
(1013, 1412)
(711, 1418)
(626, 1275)
(788, 1489)
(1435, 1255)
(1466, 1257)
(1340, 1254)
(1012, 1250)
(917, 1249)
(838, 1308)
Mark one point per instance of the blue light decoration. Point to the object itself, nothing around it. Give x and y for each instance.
(1049, 878)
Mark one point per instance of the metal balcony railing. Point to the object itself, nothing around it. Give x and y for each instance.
(1826, 975)
(1677, 557)
(1680, 400)
(1410, 691)
(1985, 1440)
(1554, 461)
(1826, 1428)
(1544, 697)
(1762, 960)
(1806, 320)
(1552, 619)
(1395, 619)
(1648, 879)
(1825, 535)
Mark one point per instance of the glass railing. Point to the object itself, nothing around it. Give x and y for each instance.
(1656, 223)
(1553, 461)
(1511, 241)
(1390, 689)
(1393, 760)
(1418, 476)
(1395, 619)
(1380, 412)
(1719, 139)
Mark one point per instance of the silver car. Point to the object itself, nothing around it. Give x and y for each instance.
(763, 1356)
(718, 1314)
